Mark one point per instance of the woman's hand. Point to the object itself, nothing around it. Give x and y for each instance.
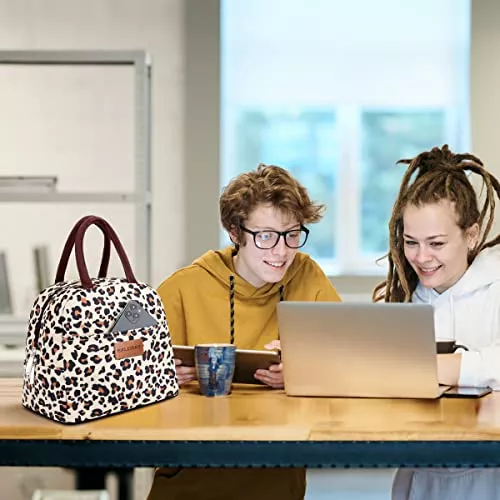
(185, 374)
(448, 368)
(274, 376)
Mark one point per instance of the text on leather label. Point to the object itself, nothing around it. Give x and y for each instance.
(129, 349)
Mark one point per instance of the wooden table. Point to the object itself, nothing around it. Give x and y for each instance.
(257, 426)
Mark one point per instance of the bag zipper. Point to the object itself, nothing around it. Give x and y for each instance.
(31, 363)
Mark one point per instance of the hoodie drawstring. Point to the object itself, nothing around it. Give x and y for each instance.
(231, 306)
(281, 300)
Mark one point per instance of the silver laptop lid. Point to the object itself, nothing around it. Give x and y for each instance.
(358, 349)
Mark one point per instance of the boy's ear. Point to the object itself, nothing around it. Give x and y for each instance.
(233, 235)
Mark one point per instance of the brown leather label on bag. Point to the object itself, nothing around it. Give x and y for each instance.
(129, 349)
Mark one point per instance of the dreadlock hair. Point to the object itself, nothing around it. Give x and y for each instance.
(432, 176)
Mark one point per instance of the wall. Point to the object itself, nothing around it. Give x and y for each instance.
(484, 85)
(156, 26)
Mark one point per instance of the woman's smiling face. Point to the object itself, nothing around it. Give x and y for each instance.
(435, 246)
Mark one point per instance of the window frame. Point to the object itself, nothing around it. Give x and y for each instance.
(349, 258)
(203, 165)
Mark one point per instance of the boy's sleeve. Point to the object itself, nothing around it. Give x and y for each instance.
(172, 302)
(326, 291)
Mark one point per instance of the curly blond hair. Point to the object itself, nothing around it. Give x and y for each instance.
(267, 184)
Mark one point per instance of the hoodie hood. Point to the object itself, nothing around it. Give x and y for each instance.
(202, 307)
(484, 270)
(468, 313)
(219, 263)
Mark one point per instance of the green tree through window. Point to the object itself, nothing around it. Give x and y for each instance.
(388, 136)
(305, 144)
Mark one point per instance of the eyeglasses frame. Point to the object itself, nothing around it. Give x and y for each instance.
(279, 233)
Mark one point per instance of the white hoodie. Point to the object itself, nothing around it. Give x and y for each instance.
(469, 312)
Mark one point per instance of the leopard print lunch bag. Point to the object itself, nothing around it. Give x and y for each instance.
(97, 346)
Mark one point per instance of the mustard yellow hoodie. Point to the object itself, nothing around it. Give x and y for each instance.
(197, 300)
(197, 303)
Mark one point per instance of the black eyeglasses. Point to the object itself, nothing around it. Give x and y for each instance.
(294, 238)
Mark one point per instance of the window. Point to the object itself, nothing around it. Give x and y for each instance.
(337, 94)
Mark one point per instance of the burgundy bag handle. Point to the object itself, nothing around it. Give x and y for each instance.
(110, 233)
(70, 242)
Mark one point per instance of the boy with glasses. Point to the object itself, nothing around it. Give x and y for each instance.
(230, 295)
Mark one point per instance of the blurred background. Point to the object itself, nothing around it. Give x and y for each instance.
(334, 91)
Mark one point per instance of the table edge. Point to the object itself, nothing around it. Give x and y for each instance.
(311, 454)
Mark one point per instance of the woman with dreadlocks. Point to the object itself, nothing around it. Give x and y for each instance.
(440, 254)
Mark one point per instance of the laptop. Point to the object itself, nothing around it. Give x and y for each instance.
(366, 350)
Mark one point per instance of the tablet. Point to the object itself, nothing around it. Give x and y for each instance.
(467, 392)
(247, 362)
(185, 353)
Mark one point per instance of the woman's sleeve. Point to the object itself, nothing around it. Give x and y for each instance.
(481, 368)
(171, 297)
